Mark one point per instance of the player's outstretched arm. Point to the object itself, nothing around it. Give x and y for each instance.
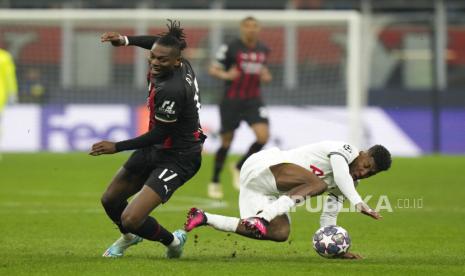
(366, 210)
(114, 38)
(103, 147)
(143, 41)
(117, 39)
(155, 136)
(345, 184)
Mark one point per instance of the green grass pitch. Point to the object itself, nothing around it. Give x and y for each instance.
(51, 222)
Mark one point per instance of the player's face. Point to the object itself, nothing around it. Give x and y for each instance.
(250, 30)
(363, 166)
(162, 60)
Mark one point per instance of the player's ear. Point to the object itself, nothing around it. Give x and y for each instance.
(177, 63)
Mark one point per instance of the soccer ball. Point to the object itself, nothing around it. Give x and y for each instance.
(330, 241)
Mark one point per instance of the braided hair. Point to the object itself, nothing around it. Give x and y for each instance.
(174, 38)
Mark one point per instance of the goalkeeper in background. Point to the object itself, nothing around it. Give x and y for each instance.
(8, 84)
(242, 65)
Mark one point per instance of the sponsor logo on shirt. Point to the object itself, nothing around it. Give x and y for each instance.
(167, 107)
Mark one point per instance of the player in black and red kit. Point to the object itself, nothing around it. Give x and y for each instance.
(167, 156)
(242, 65)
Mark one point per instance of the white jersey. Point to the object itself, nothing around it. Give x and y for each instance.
(258, 185)
(313, 157)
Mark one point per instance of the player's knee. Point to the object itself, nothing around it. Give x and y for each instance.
(279, 230)
(130, 222)
(280, 238)
(225, 146)
(226, 143)
(320, 187)
(317, 185)
(262, 134)
(226, 139)
(280, 235)
(107, 200)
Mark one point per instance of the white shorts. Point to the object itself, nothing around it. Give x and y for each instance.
(257, 183)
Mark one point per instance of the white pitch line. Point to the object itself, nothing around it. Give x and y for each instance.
(42, 193)
(41, 207)
(95, 210)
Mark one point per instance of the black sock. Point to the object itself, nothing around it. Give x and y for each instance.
(255, 147)
(152, 230)
(220, 157)
(114, 213)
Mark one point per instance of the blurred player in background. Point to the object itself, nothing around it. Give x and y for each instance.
(32, 89)
(273, 181)
(8, 83)
(167, 156)
(242, 65)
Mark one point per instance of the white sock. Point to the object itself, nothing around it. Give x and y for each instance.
(279, 207)
(175, 242)
(128, 236)
(223, 223)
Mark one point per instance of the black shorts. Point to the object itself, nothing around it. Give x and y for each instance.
(165, 171)
(232, 112)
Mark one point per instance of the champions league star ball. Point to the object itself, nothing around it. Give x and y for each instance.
(330, 241)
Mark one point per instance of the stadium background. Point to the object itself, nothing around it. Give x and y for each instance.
(416, 96)
(51, 219)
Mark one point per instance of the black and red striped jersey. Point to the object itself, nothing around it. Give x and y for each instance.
(249, 62)
(173, 102)
(174, 99)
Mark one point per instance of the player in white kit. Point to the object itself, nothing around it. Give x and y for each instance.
(273, 181)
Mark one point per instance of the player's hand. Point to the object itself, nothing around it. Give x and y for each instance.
(115, 38)
(364, 209)
(265, 75)
(232, 74)
(350, 255)
(103, 147)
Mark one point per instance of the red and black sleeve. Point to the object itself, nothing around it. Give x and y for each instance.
(143, 41)
(155, 136)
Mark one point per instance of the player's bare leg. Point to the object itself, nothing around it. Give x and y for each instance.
(297, 183)
(115, 198)
(277, 230)
(262, 134)
(136, 219)
(132, 219)
(114, 201)
(215, 190)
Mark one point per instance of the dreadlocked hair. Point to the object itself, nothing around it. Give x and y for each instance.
(175, 36)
